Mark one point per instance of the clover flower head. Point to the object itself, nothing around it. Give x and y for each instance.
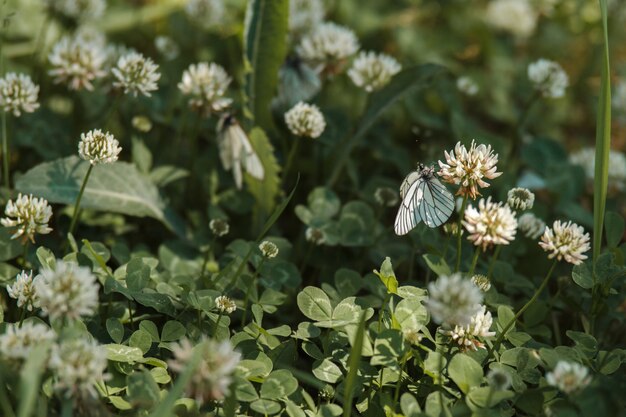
(23, 290)
(467, 86)
(469, 168)
(565, 241)
(205, 13)
(499, 380)
(305, 120)
(167, 47)
(18, 94)
(225, 304)
(520, 198)
(315, 235)
(412, 336)
(98, 147)
(371, 71)
(482, 282)
(77, 63)
(328, 43)
(569, 377)
(77, 366)
(219, 227)
(135, 73)
(206, 84)
(490, 224)
(304, 15)
(548, 77)
(467, 336)
(531, 226)
(17, 342)
(453, 300)
(68, 291)
(386, 196)
(212, 378)
(517, 17)
(268, 249)
(28, 215)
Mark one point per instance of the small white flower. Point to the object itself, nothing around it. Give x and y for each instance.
(23, 290)
(328, 43)
(17, 342)
(268, 249)
(219, 227)
(490, 224)
(467, 86)
(548, 77)
(453, 300)
(212, 378)
(531, 226)
(77, 365)
(28, 215)
(515, 16)
(412, 336)
(499, 380)
(167, 47)
(467, 336)
(18, 94)
(305, 120)
(205, 13)
(482, 282)
(586, 158)
(520, 198)
(225, 304)
(569, 377)
(77, 9)
(68, 291)
(372, 71)
(386, 196)
(566, 241)
(98, 147)
(304, 15)
(206, 85)
(469, 168)
(77, 63)
(315, 235)
(136, 74)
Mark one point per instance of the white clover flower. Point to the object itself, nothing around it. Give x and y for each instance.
(68, 291)
(268, 249)
(566, 241)
(467, 336)
(167, 47)
(77, 9)
(467, 86)
(315, 235)
(548, 77)
(205, 13)
(482, 282)
(98, 147)
(17, 342)
(586, 158)
(77, 63)
(499, 380)
(219, 227)
(206, 85)
(212, 378)
(520, 198)
(142, 123)
(569, 377)
(371, 71)
(515, 16)
(328, 43)
(18, 94)
(469, 168)
(490, 224)
(23, 290)
(531, 226)
(225, 304)
(136, 74)
(304, 15)
(305, 120)
(412, 336)
(28, 215)
(453, 300)
(386, 196)
(77, 365)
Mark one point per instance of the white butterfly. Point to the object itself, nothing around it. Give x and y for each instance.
(236, 152)
(424, 198)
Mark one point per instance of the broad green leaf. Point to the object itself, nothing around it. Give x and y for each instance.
(265, 407)
(582, 275)
(115, 329)
(151, 329)
(125, 354)
(484, 398)
(143, 390)
(265, 191)
(172, 331)
(315, 304)
(327, 371)
(140, 339)
(387, 276)
(279, 384)
(117, 188)
(465, 372)
(437, 264)
(411, 314)
(409, 405)
(142, 157)
(388, 348)
(614, 228)
(265, 43)
(137, 274)
(245, 391)
(9, 248)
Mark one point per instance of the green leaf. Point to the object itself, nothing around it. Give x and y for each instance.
(265, 407)
(30, 379)
(279, 384)
(465, 372)
(387, 276)
(265, 191)
(172, 331)
(142, 157)
(115, 329)
(411, 314)
(409, 405)
(244, 390)
(137, 274)
(265, 43)
(388, 348)
(353, 367)
(614, 228)
(437, 264)
(484, 398)
(9, 248)
(143, 390)
(327, 371)
(125, 354)
(140, 339)
(315, 304)
(117, 188)
(151, 329)
(582, 275)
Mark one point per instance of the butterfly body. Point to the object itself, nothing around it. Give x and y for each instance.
(424, 198)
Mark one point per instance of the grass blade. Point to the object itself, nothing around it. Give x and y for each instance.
(353, 367)
(30, 380)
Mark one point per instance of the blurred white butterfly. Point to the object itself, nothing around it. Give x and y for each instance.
(236, 152)
(424, 198)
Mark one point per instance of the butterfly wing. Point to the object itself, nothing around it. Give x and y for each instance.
(250, 160)
(436, 205)
(412, 193)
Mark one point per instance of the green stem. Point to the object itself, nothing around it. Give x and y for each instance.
(474, 261)
(217, 323)
(292, 153)
(382, 310)
(248, 290)
(494, 258)
(76, 214)
(67, 408)
(5, 151)
(459, 233)
(396, 394)
(130, 316)
(5, 404)
(506, 328)
(22, 316)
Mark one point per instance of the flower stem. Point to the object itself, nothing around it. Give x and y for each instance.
(494, 258)
(292, 153)
(474, 260)
(248, 290)
(217, 324)
(459, 233)
(76, 214)
(5, 151)
(506, 328)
